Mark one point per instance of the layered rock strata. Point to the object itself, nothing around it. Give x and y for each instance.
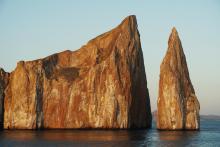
(101, 85)
(178, 106)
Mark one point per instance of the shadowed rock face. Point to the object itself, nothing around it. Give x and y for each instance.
(4, 77)
(101, 85)
(178, 107)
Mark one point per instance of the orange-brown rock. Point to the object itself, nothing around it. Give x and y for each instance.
(101, 85)
(178, 107)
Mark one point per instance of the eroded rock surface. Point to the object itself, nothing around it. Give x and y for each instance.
(101, 85)
(178, 106)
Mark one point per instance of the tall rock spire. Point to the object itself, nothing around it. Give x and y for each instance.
(178, 107)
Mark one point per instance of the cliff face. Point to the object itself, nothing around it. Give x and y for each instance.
(178, 107)
(101, 85)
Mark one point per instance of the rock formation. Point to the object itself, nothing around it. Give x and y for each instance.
(178, 107)
(101, 85)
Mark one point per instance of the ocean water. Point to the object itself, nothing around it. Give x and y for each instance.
(208, 136)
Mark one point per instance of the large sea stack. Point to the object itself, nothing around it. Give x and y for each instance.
(178, 106)
(101, 85)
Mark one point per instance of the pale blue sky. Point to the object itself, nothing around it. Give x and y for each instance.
(34, 29)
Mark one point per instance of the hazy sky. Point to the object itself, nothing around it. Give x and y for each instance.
(34, 29)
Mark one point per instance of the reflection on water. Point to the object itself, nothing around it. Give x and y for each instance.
(176, 135)
(73, 138)
(208, 136)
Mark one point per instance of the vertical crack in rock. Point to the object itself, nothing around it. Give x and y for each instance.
(39, 100)
(178, 106)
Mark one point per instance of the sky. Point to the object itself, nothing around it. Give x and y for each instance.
(36, 29)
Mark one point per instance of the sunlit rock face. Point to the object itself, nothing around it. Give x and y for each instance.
(178, 106)
(101, 85)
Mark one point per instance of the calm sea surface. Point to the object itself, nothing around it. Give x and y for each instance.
(208, 136)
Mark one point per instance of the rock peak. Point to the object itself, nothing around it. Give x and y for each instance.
(174, 31)
(130, 22)
(174, 37)
(130, 18)
(178, 106)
